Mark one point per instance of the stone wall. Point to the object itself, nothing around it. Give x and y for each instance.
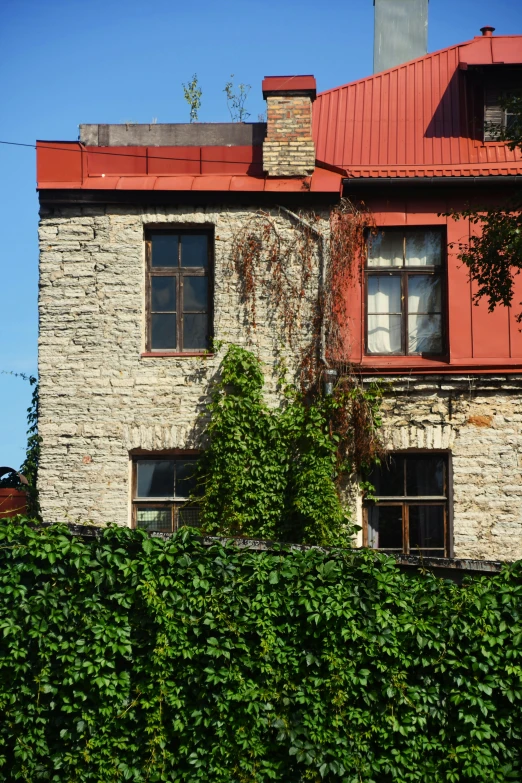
(479, 420)
(99, 398)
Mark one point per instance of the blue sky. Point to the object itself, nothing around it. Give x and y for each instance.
(66, 62)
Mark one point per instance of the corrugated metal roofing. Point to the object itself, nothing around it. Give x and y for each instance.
(415, 118)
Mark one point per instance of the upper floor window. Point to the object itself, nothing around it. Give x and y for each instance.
(498, 87)
(162, 488)
(178, 290)
(410, 512)
(404, 292)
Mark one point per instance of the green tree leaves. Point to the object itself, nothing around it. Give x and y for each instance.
(142, 659)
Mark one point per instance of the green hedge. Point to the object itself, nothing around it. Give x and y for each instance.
(133, 658)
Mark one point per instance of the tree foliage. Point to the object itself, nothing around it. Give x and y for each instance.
(494, 254)
(273, 473)
(148, 659)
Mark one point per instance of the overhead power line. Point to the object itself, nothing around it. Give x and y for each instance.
(106, 151)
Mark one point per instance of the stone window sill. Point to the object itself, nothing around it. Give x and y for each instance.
(176, 355)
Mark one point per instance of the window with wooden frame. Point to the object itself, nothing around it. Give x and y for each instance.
(410, 512)
(404, 292)
(162, 492)
(178, 290)
(498, 86)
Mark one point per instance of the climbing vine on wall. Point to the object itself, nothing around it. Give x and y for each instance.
(275, 472)
(301, 267)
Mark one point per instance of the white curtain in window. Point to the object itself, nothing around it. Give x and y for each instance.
(386, 249)
(384, 314)
(423, 248)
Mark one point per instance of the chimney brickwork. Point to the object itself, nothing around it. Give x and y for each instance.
(289, 150)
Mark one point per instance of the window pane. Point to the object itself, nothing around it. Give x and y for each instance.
(164, 250)
(163, 331)
(195, 293)
(423, 248)
(423, 294)
(155, 478)
(185, 477)
(424, 334)
(384, 294)
(194, 250)
(195, 332)
(425, 475)
(189, 516)
(426, 528)
(385, 527)
(384, 333)
(163, 294)
(154, 519)
(388, 478)
(386, 249)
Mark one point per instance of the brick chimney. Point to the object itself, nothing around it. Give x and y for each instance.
(289, 150)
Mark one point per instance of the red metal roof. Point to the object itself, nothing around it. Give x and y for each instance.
(71, 166)
(412, 120)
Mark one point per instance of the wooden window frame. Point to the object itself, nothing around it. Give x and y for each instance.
(404, 272)
(174, 503)
(406, 501)
(178, 273)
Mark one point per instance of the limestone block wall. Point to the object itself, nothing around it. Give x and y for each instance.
(479, 421)
(99, 398)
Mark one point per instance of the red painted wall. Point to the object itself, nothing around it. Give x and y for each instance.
(477, 340)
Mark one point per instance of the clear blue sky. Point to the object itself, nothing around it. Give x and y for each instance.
(66, 62)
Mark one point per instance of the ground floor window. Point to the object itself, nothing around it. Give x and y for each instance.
(162, 492)
(410, 513)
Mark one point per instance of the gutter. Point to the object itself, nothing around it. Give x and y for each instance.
(508, 179)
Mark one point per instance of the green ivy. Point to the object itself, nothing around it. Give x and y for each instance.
(129, 658)
(273, 473)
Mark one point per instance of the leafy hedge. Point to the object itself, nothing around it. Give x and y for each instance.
(134, 658)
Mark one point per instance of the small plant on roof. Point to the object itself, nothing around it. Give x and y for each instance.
(192, 93)
(236, 100)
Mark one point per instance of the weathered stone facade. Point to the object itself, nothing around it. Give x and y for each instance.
(101, 399)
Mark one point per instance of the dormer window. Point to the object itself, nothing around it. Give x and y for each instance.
(499, 85)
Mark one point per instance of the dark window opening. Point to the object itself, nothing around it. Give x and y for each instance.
(178, 291)
(163, 493)
(404, 297)
(498, 87)
(410, 512)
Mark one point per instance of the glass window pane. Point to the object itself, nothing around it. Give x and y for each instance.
(195, 293)
(385, 527)
(163, 331)
(425, 475)
(185, 477)
(423, 248)
(384, 294)
(155, 478)
(195, 333)
(388, 478)
(164, 250)
(189, 516)
(386, 249)
(426, 528)
(423, 294)
(163, 294)
(384, 333)
(194, 250)
(154, 519)
(424, 334)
